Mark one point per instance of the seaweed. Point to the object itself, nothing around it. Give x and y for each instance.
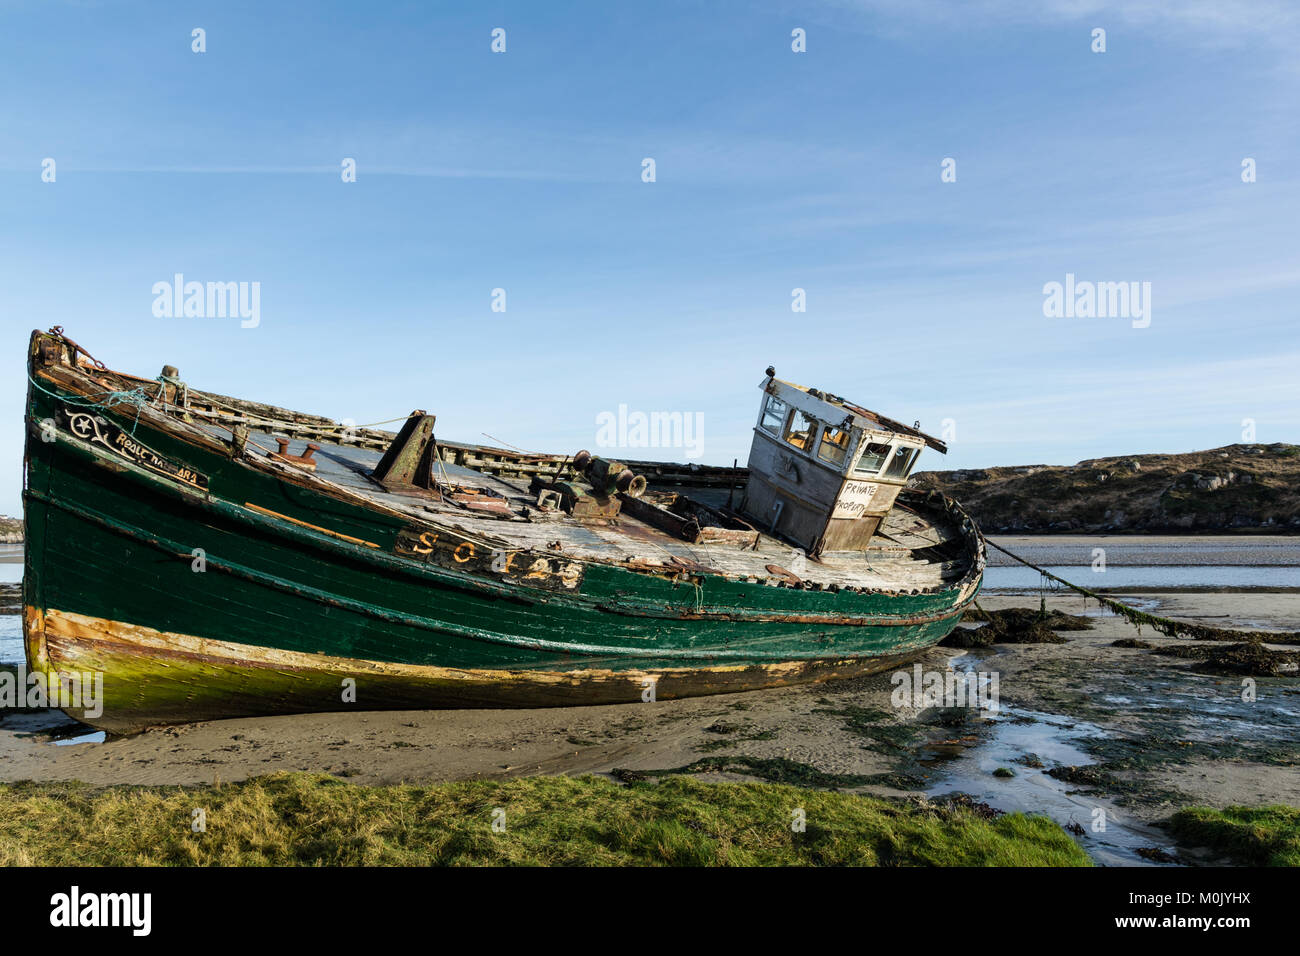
(1015, 625)
(1132, 642)
(771, 769)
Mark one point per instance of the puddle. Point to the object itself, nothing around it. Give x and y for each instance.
(1013, 736)
(51, 726)
(73, 733)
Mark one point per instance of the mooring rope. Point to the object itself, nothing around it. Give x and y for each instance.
(1164, 625)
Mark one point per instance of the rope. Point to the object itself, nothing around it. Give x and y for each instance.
(507, 444)
(1164, 625)
(181, 388)
(137, 398)
(279, 423)
(386, 421)
(441, 470)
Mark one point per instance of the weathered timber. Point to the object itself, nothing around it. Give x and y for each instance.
(479, 596)
(407, 462)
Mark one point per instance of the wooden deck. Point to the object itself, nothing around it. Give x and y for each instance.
(912, 552)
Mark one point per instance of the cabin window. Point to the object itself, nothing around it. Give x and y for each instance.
(873, 456)
(773, 415)
(800, 431)
(834, 445)
(900, 461)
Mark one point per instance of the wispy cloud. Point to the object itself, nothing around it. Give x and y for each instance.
(1208, 22)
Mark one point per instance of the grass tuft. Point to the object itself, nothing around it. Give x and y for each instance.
(1254, 836)
(298, 819)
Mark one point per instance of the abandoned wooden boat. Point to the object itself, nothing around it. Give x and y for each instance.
(213, 557)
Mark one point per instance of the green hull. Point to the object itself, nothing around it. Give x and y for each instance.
(301, 589)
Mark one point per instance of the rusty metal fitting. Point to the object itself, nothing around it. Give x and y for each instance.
(631, 484)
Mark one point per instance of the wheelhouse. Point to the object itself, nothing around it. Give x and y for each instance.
(824, 472)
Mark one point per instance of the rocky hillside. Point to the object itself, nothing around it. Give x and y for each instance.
(1233, 488)
(11, 529)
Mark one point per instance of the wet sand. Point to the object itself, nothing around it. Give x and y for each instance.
(1150, 734)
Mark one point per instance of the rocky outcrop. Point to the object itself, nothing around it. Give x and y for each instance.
(11, 530)
(1235, 488)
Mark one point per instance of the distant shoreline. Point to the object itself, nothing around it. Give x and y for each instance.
(1236, 489)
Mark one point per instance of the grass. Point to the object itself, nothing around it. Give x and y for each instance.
(1254, 836)
(309, 820)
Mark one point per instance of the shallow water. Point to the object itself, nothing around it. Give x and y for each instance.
(11, 639)
(1015, 733)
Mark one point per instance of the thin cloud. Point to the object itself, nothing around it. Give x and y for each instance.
(1209, 22)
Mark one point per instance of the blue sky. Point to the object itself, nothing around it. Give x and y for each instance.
(775, 170)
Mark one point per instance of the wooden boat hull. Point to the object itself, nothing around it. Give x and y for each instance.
(157, 677)
(202, 588)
